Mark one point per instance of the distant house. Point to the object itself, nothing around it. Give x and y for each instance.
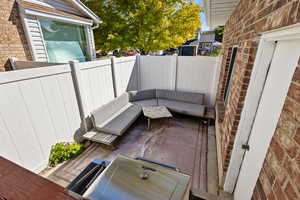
(204, 42)
(207, 39)
(46, 31)
(189, 48)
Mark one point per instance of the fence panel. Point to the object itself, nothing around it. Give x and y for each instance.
(38, 109)
(157, 72)
(198, 74)
(97, 83)
(123, 72)
(39, 106)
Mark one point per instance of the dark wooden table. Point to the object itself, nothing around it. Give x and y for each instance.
(17, 183)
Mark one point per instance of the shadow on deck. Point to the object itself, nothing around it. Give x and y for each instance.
(186, 143)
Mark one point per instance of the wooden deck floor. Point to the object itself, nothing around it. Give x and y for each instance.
(183, 143)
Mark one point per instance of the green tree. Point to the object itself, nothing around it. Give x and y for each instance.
(219, 31)
(147, 25)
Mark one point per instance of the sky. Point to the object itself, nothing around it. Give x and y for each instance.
(203, 19)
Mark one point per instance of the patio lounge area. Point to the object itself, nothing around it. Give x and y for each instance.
(240, 141)
(187, 142)
(62, 99)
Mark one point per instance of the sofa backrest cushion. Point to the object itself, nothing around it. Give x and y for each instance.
(104, 112)
(142, 95)
(188, 97)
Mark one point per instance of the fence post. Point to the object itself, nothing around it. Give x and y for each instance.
(138, 61)
(176, 72)
(113, 74)
(79, 91)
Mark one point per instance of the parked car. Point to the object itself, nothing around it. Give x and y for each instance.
(101, 53)
(130, 53)
(171, 51)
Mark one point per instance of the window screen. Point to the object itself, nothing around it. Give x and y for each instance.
(64, 42)
(230, 71)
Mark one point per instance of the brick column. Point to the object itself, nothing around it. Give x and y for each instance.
(12, 38)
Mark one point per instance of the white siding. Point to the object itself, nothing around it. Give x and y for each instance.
(90, 42)
(36, 38)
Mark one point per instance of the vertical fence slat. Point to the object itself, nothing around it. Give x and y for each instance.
(157, 72)
(79, 93)
(124, 73)
(15, 116)
(113, 73)
(197, 74)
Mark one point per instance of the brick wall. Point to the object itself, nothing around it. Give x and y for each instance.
(243, 28)
(280, 178)
(12, 38)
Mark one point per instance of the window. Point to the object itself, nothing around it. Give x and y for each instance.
(230, 70)
(64, 42)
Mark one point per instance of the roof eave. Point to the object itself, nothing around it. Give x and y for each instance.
(86, 11)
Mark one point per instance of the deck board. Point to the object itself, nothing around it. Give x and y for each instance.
(100, 137)
(183, 143)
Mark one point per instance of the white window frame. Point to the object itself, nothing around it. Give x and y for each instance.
(57, 17)
(230, 75)
(66, 19)
(89, 49)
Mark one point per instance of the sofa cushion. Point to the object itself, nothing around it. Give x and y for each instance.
(149, 102)
(142, 95)
(188, 97)
(183, 107)
(106, 111)
(120, 121)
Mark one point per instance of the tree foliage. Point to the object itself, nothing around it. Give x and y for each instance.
(219, 31)
(148, 25)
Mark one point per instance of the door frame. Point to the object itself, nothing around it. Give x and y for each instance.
(257, 80)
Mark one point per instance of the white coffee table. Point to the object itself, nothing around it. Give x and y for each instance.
(156, 112)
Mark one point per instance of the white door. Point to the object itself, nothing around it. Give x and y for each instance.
(274, 93)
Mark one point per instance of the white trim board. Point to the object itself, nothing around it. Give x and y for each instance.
(263, 58)
(251, 102)
(19, 75)
(77, 4)
(63, 18)
(281, 72)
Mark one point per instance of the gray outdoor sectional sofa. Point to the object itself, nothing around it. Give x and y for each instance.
(117, 116)
(188, 103)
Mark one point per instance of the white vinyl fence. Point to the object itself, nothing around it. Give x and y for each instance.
(184, 73)
(40, 107)
(123, 70)
(198, 74)
(157, 72)
(97, 83)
